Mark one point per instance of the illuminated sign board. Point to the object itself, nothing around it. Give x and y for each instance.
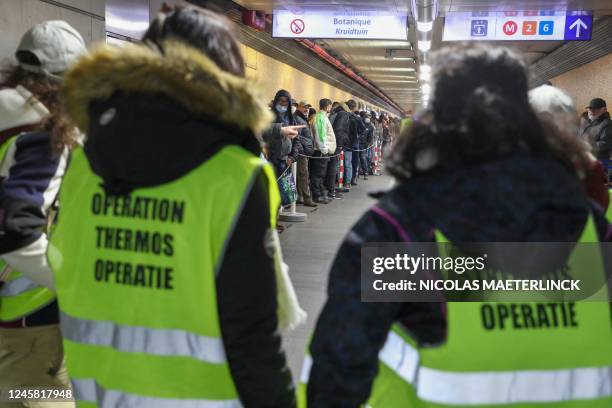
(357, 25)
(535, 25)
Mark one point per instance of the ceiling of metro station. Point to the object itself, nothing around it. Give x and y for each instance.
(392, 65)
(446, 6)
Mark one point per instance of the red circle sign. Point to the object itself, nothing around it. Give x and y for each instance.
(297, 26)
(510, 28)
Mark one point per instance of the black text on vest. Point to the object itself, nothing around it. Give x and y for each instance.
(520, 316)
(144, 235)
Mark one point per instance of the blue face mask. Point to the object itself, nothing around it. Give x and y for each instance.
(280, 108)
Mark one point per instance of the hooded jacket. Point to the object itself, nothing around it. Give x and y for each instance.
(153, 116)
(520, 199)
(279, 147)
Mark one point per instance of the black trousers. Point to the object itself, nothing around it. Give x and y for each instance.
(332, 174)
(317, 169)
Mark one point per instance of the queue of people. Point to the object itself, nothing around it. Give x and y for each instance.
(154, 276)
(319, 140)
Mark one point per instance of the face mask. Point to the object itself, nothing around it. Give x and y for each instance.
(293, 109)
(367, 120)
(280, 108)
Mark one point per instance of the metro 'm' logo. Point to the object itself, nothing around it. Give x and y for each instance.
(510, 28)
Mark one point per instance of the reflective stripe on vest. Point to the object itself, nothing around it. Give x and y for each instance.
(18, 286)
(131, 342)
(133, 339)
(488, 388)
(92, 392)
(20, 296)
(494, 387)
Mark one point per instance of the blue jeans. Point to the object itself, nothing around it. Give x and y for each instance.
(348, 167)
(355, 157)
(370, 157)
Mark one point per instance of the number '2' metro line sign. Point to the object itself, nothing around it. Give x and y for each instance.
(531, 25)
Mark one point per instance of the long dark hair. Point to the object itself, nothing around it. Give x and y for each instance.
(210, 32)
(47, 91)
(479, 112)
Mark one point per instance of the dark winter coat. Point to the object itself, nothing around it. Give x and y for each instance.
(305, 136)
(599, 134)
(279, 147)
(357, 128)
(366, 138)
(341, 122)
(518, 199)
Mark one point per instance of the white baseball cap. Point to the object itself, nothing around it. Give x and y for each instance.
(55, 43)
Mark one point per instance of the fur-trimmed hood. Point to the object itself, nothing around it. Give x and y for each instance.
(180, 72)
(152, 116)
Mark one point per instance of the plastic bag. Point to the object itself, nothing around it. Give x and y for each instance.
(288, 190)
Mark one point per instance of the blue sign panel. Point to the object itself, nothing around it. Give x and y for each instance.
(479, 28)
(546, 28)
(578, 28)
(517, 25)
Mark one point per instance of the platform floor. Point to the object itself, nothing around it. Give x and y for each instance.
(309, 249)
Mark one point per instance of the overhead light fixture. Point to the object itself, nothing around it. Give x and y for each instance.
(391, 69)
(425, 68)
(403, 81)
(425, 13)
(424, 27)
(424, 76)
(426, 89)
(424, 46)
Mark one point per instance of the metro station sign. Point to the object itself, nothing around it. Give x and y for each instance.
(530, 25)
(354, 25)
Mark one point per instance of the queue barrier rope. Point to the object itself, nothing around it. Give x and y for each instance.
(341, 155)
(336, 155)
(319, 157)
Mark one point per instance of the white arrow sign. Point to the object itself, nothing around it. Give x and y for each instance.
(577, 25)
